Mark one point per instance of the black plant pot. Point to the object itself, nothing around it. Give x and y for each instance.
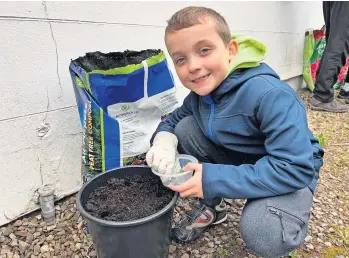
(148, 237)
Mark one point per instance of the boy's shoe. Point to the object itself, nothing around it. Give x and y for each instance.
(334, 107)
(344, 95)
(197, 220)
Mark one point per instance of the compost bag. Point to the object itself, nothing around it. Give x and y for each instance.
(121, 98)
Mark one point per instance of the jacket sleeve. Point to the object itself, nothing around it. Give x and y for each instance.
(169, 124)
(287, 167)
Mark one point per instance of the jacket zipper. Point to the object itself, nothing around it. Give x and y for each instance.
(281, 215)
(210, 120)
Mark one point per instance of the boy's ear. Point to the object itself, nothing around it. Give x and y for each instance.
(232, 48)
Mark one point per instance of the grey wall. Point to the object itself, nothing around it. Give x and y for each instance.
(40, 133)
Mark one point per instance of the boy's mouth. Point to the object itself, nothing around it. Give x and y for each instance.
(202, 78)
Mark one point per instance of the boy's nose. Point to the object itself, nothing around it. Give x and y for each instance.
(194, 65)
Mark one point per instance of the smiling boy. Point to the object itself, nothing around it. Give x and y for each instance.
(247, 128)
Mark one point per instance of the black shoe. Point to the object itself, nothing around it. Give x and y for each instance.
(198, 220)
(344, 95)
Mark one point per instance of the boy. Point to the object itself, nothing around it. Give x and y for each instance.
(247, 127)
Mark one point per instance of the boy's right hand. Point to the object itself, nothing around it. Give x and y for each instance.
(161, 156)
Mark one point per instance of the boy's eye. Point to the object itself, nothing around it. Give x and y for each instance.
(179, 60)
(204, 50)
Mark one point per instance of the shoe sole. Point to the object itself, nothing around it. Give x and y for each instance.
(176, 240)
(221, 220)
(327, 110)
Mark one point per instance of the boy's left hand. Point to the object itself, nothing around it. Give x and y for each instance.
(193, 187)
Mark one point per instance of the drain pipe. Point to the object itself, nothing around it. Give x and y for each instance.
(46, 198)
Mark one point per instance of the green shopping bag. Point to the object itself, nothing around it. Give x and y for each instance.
(314, 46)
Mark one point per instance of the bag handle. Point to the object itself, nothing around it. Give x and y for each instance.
(146, 69)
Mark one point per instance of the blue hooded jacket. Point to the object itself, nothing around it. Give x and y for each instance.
(254, 113)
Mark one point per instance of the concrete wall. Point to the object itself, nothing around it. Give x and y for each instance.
(40, 133)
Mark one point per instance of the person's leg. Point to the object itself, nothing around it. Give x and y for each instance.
(336, 51)
(326, 8)
(274, 226)
(344, 92)
(193, 142)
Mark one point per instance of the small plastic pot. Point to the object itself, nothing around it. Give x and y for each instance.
(178, 176)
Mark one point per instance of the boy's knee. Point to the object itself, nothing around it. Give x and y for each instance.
(269, 235)
(182, 129)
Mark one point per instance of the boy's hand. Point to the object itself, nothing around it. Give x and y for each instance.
(161, 156)
(193, 187)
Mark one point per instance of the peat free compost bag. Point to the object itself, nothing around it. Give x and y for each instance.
(314, 46)
(121, 98)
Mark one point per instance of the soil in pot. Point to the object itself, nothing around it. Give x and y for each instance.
(129, 198)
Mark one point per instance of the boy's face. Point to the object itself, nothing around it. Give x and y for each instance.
(200, 57)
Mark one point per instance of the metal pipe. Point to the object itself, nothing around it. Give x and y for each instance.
(46, 198)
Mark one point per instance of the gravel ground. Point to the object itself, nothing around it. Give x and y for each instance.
(328, 233)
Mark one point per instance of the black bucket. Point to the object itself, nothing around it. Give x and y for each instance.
(148, 237)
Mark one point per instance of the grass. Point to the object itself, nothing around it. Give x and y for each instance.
(222, 252)
(343, 160)
(341, 234)
(322, 139)
(332, 252)
(296, 254)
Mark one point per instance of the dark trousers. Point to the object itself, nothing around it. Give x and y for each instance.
(336, 16)
(271, 226)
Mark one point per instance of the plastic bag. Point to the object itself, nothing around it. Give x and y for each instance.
(314, 47)
(121, 98)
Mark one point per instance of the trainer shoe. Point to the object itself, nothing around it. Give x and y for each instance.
(334, 107)
(344, 95)
(198, 220)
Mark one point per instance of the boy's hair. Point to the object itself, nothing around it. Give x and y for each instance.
(193, 15)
